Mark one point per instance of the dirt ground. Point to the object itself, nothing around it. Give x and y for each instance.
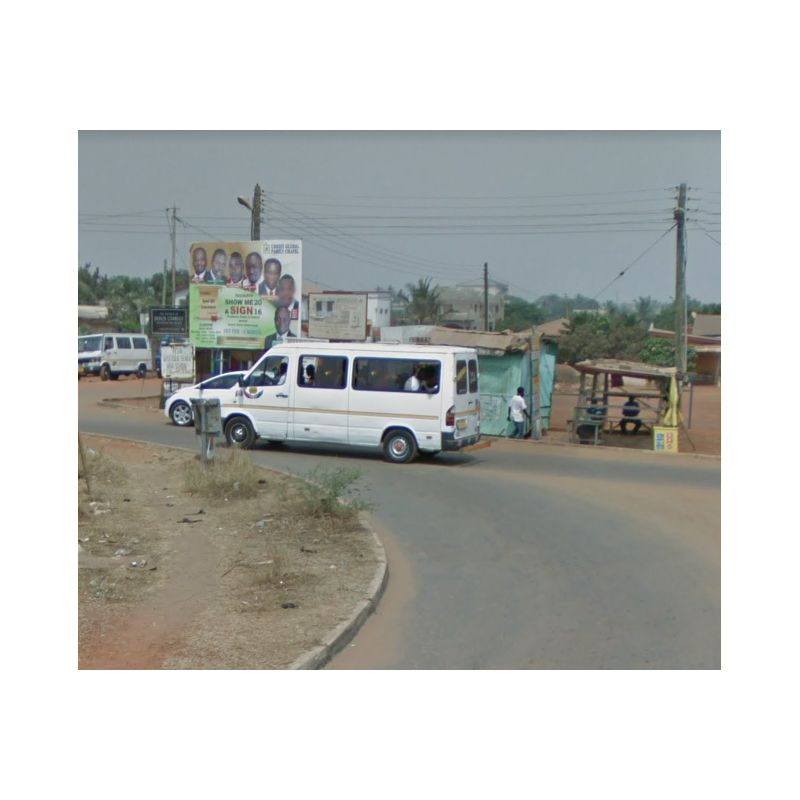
(169, 580)
(701, 433)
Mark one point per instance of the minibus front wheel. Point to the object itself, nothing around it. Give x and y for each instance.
(399, 446)
(239, 433)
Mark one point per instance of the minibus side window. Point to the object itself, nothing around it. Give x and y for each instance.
(139, 343)
(109, 343)
(395, 374)
(327, 372)
(461, 377)
(270, 372)
(123, 342)
(473, 376)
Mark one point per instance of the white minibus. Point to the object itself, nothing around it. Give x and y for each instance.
(110, 355)
(404, 399)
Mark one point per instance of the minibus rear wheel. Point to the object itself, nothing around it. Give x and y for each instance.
(399, 446)
(239, 433)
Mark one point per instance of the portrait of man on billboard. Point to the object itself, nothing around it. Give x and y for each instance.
(252, 268)
(199, 264)
(235, 271)
(272, 272)
(217, 272)
(286, 293)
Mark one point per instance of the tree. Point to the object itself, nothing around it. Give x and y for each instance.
(646, 309)
(424, 305)
(615, 335)
(519, 314)
(661, 352)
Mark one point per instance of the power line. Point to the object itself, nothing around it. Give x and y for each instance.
(634, 261)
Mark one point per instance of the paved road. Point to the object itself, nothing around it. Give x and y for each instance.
(523, 555)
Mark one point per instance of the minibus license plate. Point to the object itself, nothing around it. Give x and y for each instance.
(461, 424)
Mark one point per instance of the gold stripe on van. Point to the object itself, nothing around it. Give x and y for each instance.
(341, 411)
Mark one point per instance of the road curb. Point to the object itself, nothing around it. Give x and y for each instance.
(344, 633)
(605, 447)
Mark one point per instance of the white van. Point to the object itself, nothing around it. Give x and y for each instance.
(404, 399)
(110, 355)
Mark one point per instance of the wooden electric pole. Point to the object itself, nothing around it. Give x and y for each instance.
(486, 296)
(256, 226)
(680, 285)
(174, 218)
(164, 285)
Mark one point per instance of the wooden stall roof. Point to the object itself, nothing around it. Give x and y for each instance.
(483, 341)
(632, 369)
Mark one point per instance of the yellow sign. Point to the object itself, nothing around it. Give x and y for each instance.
(665, 440)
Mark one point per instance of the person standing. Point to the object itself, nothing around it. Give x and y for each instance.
(517, 412)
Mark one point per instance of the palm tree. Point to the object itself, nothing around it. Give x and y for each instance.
(424, 305)
(646, 309)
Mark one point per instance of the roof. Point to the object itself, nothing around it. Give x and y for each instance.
(615, 366)
(707, 325)
(691, 338)
(483, 341)
(553, 328)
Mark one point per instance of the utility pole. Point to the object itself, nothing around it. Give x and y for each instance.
(680, 285)
(164, 285)
(486, 296)
(256, 226)
(174, 218)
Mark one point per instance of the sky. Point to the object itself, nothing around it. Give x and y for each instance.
(549, 212)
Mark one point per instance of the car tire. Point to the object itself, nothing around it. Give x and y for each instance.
(399, 446)
(142, 371)
(105, 372)
(239, 433)
(181, 414)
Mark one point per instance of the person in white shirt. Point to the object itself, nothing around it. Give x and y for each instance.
(517, 412)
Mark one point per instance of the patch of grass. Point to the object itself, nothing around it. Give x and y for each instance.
(230, 475)
(100, 471)
(330, 493)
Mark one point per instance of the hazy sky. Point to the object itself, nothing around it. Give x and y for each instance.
(549, 212)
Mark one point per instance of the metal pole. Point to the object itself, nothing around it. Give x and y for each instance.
(691, 398)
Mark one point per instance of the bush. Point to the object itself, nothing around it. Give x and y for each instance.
(230, 474)
(661, 352)
(330, 492)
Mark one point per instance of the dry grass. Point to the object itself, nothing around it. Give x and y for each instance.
(267, 544)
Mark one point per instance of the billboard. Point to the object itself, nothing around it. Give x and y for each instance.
(245, 295)
(340, 316)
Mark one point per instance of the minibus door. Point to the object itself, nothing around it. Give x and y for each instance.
(265, 396)
(467, 398)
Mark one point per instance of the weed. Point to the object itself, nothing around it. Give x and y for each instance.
(229, 475)
(330, 492)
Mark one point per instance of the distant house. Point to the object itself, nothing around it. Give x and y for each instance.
(463, 305)
(708, 366)
(707, 325)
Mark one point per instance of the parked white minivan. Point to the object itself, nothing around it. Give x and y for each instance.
(110, 355)
(404, 399)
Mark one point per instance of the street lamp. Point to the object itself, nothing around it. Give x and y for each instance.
(255, 212)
